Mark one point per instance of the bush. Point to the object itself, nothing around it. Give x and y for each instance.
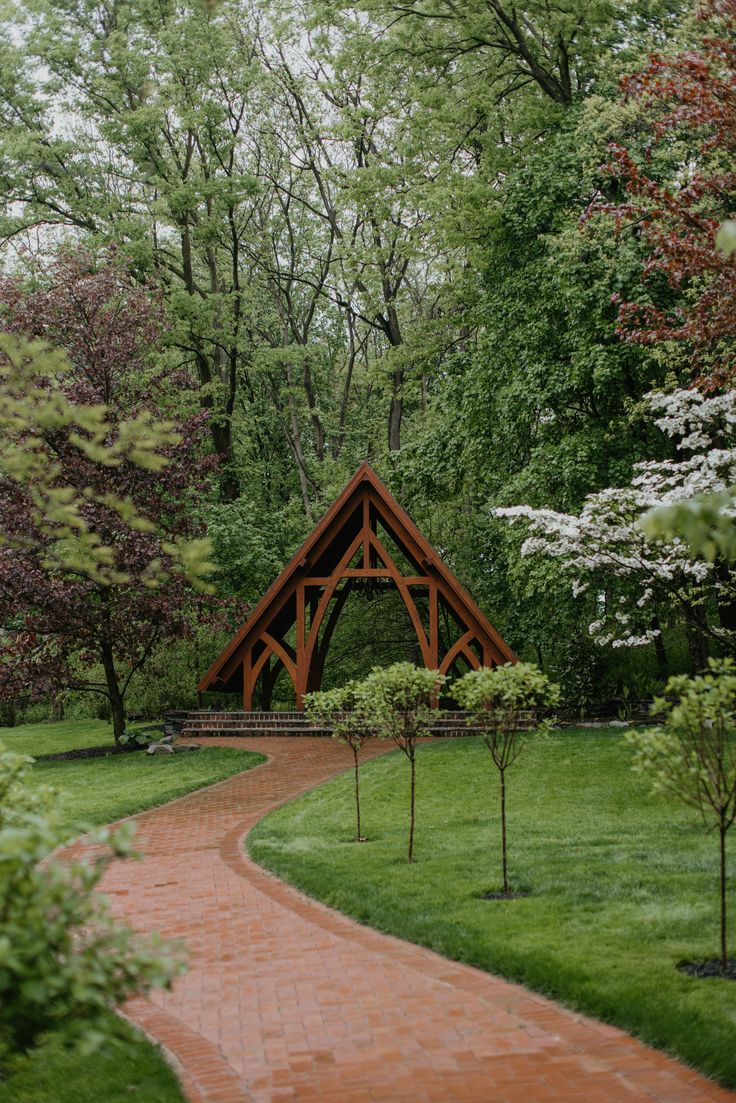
(64, 963)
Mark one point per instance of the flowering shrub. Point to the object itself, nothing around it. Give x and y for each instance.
(607, 541)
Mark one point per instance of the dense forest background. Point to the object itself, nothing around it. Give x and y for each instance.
(383, 231)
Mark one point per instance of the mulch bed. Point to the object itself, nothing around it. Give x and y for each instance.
(706, 969)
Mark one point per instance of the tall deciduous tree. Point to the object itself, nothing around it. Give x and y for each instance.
(98, 510)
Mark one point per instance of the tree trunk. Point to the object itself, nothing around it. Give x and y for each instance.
(659, 648)
(117, 704)
(412, 759)
(504, 858)
(726, 597)
(392, 329)
(395, 414)
(358, 836)
(220, 427)
(724, 932)
(295, 441)
(696, 641)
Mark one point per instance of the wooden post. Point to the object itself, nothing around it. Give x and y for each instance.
(366, 532)
(248, 680)
(301, 655)
(434, 634)
(434, 626)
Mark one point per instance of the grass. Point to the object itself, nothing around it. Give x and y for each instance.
(97, 791)
(129, 1068)
(65, 735)
(623, 884)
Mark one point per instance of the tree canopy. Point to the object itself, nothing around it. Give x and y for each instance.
(463, 243)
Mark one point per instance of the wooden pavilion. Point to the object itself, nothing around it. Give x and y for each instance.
(365, 540)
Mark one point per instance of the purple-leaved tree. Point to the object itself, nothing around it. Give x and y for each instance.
(62, 612)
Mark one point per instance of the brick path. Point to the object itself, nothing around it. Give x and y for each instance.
(286, 1000)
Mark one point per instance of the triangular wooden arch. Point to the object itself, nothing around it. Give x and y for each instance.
(301, 597)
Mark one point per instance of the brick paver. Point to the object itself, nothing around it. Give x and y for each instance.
(286, 1000)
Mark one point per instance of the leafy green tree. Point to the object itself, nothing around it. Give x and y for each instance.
(64, 964)
(343, 711)
(400, 701)
(692, 756)
(499, 701)
(33, 406)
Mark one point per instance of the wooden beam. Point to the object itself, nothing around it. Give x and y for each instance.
(434, 628)
(366, 531)
(302, 665)
(248, 680)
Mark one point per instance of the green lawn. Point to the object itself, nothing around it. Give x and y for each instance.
(66, 735)
(624, 885)
(128, 1069)
(98, 791)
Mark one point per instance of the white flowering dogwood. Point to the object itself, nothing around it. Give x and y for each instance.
(606, 541)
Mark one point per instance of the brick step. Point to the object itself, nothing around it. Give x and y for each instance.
(203, 723)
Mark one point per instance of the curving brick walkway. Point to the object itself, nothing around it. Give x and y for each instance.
(286, 1000)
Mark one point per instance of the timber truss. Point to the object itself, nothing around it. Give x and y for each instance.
(364, 541)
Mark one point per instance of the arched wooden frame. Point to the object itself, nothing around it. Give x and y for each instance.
(312, 583)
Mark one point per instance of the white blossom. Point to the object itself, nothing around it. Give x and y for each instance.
(605, 538)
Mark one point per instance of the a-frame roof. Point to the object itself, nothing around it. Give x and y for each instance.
(328, 531)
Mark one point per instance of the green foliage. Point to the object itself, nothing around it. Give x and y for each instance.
(399, 699)
(705, 523)
(498, 696)
(63, 962)
(32, 406)
(692, 755)
(365, 224)
(345, 710)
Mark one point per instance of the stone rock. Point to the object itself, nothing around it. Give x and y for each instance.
(181, 747)
(167, 739)
(160, 748)
(620, 723)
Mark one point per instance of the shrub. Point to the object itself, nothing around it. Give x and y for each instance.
(64, 963)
